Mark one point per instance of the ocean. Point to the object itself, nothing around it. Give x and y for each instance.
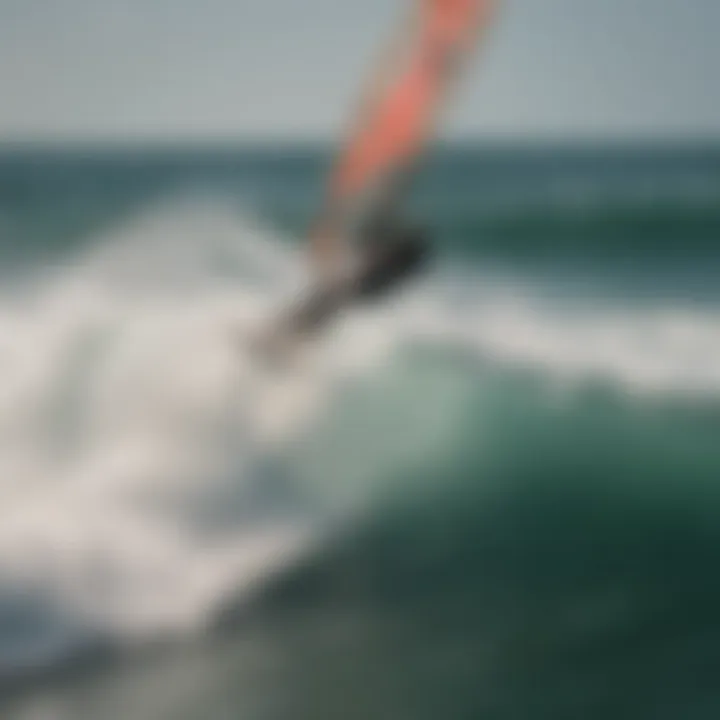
(494, 495)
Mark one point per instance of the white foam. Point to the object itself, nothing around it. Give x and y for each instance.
(129, 410)
(658, 349)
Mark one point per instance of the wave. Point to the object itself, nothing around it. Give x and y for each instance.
(135, 438)
(654, 232)
(530, 551)
(152, 474)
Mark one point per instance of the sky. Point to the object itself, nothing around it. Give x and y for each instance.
(287, 69)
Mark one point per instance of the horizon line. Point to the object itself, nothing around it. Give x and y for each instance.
(269, 142)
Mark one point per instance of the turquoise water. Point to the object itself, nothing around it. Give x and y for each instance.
(495, 496)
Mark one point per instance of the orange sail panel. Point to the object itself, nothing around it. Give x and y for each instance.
(400, 116)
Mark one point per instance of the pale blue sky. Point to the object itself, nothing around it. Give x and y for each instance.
(198, 69)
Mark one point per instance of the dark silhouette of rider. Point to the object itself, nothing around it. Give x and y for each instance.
(393, 256)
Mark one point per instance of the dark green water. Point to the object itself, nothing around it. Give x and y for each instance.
(514, 515)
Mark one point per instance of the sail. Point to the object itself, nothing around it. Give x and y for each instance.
(398, 117)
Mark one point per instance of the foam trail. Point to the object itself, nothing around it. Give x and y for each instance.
(131, 428)
(660, 349)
